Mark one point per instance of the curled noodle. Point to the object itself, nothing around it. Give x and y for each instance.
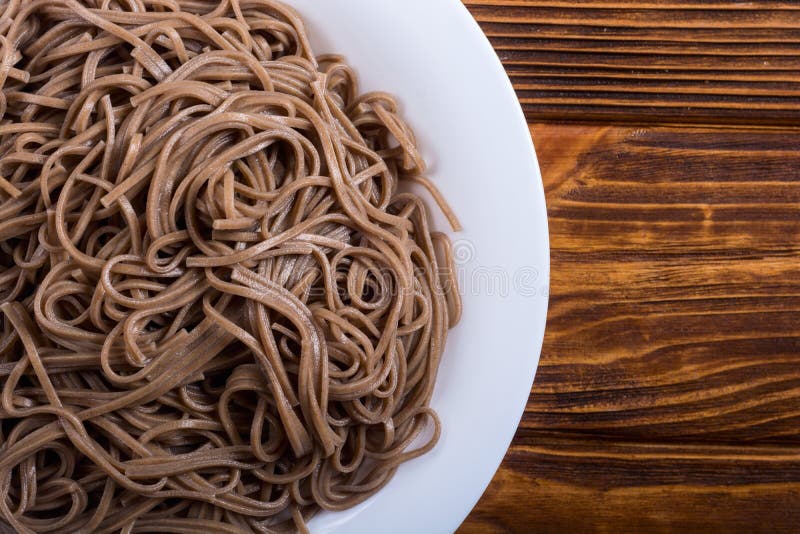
(217, 309)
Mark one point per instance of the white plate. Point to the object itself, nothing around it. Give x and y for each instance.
(455, 95)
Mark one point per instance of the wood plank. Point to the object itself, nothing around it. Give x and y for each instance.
(675, 285)
(657, 61)
(668, 391)
(567, 483)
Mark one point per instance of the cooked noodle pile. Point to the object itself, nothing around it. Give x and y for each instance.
(217, 309)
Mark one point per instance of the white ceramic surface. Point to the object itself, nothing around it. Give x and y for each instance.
(457, 98)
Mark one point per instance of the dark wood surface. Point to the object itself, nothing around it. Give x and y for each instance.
(681, 61)
(668, 393)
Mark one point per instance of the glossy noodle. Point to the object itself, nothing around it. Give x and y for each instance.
(221, 309)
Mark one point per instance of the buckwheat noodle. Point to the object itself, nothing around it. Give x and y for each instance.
(220, 311)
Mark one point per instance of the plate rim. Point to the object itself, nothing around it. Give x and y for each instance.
(448, 520)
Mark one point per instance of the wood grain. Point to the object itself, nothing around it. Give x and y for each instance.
(557, 483)
(668, 391)
(668, 61)
(675, 284)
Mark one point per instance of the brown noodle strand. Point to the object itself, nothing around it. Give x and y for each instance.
(217, 310)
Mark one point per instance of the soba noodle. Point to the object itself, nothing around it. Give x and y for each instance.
(218, 309)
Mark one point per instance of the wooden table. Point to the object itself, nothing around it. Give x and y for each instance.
(668, 393)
